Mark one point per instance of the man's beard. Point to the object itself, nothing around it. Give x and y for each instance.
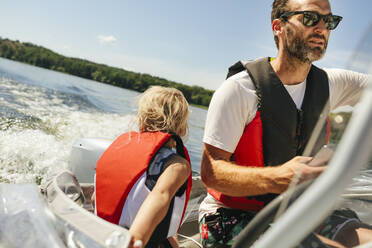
(297, 47)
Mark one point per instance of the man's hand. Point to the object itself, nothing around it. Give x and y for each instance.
(224, 176)
(295, 169)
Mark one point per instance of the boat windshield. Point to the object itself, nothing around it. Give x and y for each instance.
(359, 194)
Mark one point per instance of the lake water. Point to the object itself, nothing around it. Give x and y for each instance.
(42, 113)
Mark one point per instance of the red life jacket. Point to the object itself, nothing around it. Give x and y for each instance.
(279, 130)
(123, 163)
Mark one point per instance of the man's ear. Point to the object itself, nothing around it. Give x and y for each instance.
(276, 26)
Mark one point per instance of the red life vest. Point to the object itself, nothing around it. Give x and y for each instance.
(122, 164)
(248, 153)
(279, 131)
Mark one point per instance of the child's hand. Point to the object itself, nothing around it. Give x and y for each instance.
(135, 244)
(138, 244)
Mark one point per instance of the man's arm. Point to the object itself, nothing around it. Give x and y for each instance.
(346, 87)
(219, 173)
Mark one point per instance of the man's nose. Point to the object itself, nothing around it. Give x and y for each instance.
(320, 27)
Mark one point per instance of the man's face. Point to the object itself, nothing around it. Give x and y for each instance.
(307, 44)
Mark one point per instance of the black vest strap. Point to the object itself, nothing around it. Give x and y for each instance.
(235, 68)
(315, 101)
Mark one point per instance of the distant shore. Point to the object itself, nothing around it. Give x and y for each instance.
(42, 57)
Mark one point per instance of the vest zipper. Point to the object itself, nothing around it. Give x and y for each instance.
(300, 119)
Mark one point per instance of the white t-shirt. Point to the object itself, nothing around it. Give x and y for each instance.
(234, 105)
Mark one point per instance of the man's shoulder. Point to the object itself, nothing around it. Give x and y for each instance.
(341, 72)
(241, 66)
(239, 79)
(337, 75)
(238, 84)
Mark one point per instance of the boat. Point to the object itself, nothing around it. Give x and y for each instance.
(77, 185)
(59, 213)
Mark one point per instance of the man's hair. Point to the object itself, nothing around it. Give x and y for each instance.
(163, 109)
(279, 7)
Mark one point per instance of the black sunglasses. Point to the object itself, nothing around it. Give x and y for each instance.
(312, 18)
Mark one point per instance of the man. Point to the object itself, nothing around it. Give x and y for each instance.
(260, 120)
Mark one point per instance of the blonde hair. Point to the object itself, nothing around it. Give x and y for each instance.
(163, 109)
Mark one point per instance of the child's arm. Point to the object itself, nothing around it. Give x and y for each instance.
(173, 241)
(156, 205)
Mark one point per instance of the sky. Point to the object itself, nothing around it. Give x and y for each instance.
(191, 42)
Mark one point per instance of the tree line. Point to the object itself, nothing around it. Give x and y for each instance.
(39, 56)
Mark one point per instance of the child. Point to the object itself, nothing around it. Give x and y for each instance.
(141, 181)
